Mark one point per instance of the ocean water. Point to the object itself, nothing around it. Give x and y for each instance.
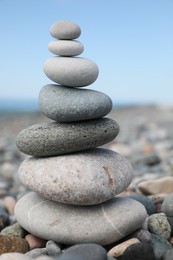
(7, 105)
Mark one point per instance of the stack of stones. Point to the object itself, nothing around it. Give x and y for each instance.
(74, 183)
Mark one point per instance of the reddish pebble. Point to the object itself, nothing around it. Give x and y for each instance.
(9, 204)
(35, 242)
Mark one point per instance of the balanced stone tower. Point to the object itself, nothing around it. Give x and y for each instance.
(74, 183)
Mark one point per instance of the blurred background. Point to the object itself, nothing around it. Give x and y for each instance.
(131, 42)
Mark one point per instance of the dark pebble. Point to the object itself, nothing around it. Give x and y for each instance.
(147, 203)
(4, 219)
(139, 251)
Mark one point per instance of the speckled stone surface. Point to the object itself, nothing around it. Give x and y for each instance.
(66, 47)
(64, 104)
(49, 139)
(68, 224)
(84, 178)
(71, 71)
(65, 30)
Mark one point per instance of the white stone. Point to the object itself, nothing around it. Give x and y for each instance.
(84, 178)
(71, 71)
(65, 30)
(66, 47)
(68, 224)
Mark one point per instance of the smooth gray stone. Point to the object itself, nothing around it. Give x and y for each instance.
(84, 178)
(65, 30)
(66, 104)
(147, 202)
(167, 205)
(87, 251)
(49, 139)
(160, 246)
(66, 47)
(68, 224)
(71, 71)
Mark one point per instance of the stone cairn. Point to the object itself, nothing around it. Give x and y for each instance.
(74, 183)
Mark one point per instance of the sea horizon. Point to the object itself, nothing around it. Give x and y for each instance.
(31, 105)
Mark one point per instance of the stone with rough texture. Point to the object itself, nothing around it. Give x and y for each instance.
(159, 225)
(65, 30)
(84, 178)
(13, 244)
(119, 249)
(66, 47)
(37, 252)
(14, 230)
(71, 71)
(50, 139)
(87, 252)
(52, 248)
(158, 186)
(64, 104)
(4, 219)
(98, 224)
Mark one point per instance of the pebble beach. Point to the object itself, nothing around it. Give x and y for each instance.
(146, 140)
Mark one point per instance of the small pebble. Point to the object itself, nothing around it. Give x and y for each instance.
(162, 185)
(65, 30)
(87, 252)
(35, 242)
(139, 251)
(14, 230)
(147, 202)
(4, 219)
(160, 245)
(52, 248)
(9, 203)
(167, 205)
(118, 250)
(34, 253)
(159, 225)
(13, 244)
(143, 235)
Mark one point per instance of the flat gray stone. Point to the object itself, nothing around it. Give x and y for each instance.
(66, 104)
(68, 224)
(49, 139)
(66, 47)
(84, 178)
(71, 71)
(65, 30)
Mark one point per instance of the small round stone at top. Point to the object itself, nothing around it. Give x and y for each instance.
(65, 30)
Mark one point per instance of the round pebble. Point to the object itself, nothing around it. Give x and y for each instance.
(98, 224)
(13, 244)
(14, 230)
(65, 30)
(52, 248)
(167, 205)
(85, 178)
(139, 251)
(49, 139)
(35, 242)
(159, 225)
(71, 71)
(66, 47)
(87, 252)
(9, 203)
(64, 104)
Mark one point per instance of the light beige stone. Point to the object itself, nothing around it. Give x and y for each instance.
(158, 186)
(118, 250)
(66, 47)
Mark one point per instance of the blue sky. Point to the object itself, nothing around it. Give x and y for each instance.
(130, 40)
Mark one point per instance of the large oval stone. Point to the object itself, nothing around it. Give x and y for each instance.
(64, 104)
(69, 224)
(65, 30)
(71, 71)
(66, 47)
(84, 178)
(49, 139)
